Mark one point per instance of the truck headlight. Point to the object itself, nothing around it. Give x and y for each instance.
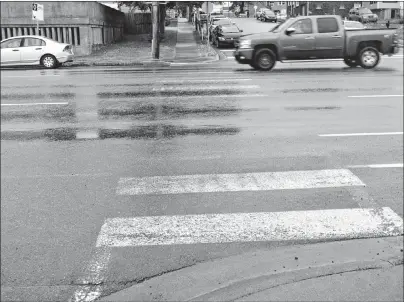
(245, 44)
(221, 39)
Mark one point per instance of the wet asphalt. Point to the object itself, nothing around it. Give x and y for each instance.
(68, 135)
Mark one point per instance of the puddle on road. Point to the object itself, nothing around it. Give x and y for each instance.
(156, 111)
(57, 96)
(165, 131)
(53, 134)
(138, 132)
(169, 93)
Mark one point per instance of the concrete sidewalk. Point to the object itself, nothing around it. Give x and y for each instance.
(190, 48)
(181, 45)
(354, 270)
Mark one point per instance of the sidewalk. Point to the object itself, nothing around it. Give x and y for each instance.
(190, 47)
(353, 270)
(180, 45)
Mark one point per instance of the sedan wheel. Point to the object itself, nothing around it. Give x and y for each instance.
(49, 61)
(369, 57)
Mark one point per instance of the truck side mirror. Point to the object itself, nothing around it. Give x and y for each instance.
(290, 31)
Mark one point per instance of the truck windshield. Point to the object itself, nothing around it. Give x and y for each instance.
(282, 26)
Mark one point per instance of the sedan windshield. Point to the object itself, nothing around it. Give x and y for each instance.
(222, 22)
(365, 11)
(230, 29)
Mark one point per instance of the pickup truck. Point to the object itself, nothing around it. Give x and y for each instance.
(316, 38)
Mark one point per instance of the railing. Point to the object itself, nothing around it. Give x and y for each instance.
(70, 35)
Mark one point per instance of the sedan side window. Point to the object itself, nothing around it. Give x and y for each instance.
(28, 42)
(14, 43)
(303, 27)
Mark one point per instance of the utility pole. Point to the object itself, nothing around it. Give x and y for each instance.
(155, 30)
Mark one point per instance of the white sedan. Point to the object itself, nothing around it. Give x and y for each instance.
(35, 50)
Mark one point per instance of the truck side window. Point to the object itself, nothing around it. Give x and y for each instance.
(327, 25)
(303, 26)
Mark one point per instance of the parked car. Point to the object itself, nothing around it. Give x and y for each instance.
(268, 15)
(35, 50)
(352, 25)
(281, 18)
(362, 15)
(221, 21)
(215, 16)
(226, 35)
(259, 13)
(316, 37)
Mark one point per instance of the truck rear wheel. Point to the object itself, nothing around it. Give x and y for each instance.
(369, 57)
(264, 59)
(351, 62)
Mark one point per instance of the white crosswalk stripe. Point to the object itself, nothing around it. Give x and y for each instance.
(249, 227)
(237, 182)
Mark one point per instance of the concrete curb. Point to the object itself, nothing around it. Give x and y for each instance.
(230, 278)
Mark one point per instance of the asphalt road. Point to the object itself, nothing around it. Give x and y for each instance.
(74, 139)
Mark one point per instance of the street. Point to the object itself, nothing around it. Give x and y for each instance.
(81, 146)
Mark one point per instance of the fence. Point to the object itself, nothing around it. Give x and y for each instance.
(70, 35)
(138, 23)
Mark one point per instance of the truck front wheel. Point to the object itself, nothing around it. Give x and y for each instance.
(264, 59)
(351, 62)
(369, 57)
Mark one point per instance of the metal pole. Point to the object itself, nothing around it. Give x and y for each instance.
(37, 27)
(155, 37)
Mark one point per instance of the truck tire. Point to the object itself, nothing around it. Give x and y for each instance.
(368, 57)
(351, 62)
(264, 59)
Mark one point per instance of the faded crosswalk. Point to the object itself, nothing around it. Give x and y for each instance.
(234, 227)
(154, 106)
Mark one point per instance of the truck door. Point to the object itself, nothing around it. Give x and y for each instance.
(300, 44)
(330, 38)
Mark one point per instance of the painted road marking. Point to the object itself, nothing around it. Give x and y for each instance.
(181, 184)
(94, 276)
(397, 165)
(35, 104)
(250, 227)
(361, 134)
(377, 96)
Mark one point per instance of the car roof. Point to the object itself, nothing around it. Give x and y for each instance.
(28, 36)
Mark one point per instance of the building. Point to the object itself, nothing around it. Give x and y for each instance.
(304, 8)
(385, 9)
(85, 25)
(278, 6)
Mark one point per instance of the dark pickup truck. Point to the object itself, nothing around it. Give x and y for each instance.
(316, 38)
